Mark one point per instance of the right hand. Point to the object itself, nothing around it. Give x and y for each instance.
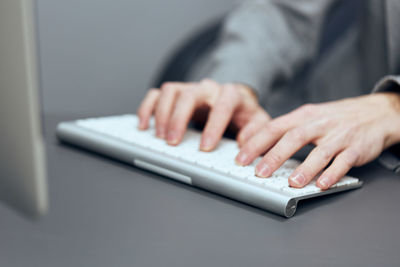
(176, 103)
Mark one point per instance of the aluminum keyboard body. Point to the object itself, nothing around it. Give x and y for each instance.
(119, 138)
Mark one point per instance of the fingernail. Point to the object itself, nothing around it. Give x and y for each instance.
(298, 179)
(263, 170)
(241, 159)
(172, 138)
(160, 132)
(324, 182)
(206, 144)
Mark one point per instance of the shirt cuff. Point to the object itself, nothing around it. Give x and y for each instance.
(390, 158)
(390, 83)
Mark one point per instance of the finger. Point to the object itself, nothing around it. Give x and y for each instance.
(315, 162)
(219, 117)
(268, 136)
(259, 143)
(165, 104)
(146, 108)
(252, 127)
(298, 116)
(185, 106)
(339, 167)
(290, 143)
(284, 123)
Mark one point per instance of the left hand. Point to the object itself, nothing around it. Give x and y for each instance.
(352, 131)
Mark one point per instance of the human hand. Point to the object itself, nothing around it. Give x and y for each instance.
(352, 131)
(176, 103)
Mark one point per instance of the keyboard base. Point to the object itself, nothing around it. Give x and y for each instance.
(70, 132)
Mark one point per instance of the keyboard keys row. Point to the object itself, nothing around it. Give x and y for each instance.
(220, 160)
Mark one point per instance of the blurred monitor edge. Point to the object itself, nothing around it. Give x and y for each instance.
(23, 183)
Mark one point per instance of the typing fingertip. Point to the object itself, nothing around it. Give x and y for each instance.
(263, 170)
(323, 182)
(241, 159)
(172, 138)
(297, 180)
(206, 144)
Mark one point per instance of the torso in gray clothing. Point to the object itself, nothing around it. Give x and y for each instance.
(275, 47)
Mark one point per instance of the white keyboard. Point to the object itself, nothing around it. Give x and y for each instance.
(118, 137)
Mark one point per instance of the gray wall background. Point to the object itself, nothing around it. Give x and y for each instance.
(109, 51)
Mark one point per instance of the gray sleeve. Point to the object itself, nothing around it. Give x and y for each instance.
(263, 41)
(389, 83)
(389, 158)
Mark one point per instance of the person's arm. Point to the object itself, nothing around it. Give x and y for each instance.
(263, 41)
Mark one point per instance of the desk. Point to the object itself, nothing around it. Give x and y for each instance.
(104, 213)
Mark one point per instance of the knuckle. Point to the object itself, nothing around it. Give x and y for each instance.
(253, 143)
(144, 109)
(297, 135)
(211, 134)
(209, 90)
(208, 81)
(350, 128)
(352, 157)
(153, 91)
(262, 116)
(229, 88)
(141, 112)
(273, 159)
(223, 107)
(160, 115)
(231, 91)
(150, 96)
(264, 131)
(326, 123)
(187, 94)
(168, 86)
(324, 152)
(347, 162)
(308, 109)
(160, 120)
(250, 147)
(273, 128)
(176, 125)
(160, 123)
(209, 86)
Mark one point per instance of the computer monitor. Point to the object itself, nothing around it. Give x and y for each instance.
(23, 183)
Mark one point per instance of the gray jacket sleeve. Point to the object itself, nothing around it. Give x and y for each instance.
(390, 158)
(389, 83)
(264, 41)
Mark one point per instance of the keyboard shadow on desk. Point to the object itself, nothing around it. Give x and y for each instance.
(165, 179)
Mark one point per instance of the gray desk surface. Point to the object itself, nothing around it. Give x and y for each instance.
(104, 213)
